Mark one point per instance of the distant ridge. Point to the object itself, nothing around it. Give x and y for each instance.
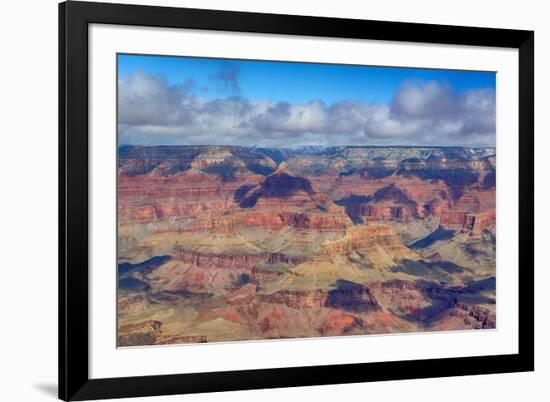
(363, 152)
(301, 147)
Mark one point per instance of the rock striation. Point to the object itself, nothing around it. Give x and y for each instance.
(222, 243)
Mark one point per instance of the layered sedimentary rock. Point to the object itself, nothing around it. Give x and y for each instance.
(285, 199)
(473, 223)
(224, 243)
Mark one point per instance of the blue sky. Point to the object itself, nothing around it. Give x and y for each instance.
(190, 101)
(296, 82)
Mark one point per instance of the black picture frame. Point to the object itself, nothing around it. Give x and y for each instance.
(74, 19)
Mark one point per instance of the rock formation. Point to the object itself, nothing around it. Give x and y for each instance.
(219, 243)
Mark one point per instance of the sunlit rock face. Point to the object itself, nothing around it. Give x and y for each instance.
(223, 243)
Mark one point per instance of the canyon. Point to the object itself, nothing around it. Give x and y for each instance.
(222, 243)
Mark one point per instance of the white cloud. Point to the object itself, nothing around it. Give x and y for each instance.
(151, 111)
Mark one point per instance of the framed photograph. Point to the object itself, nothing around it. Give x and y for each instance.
(258, 200)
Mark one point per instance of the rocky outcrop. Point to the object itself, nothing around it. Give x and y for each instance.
(349, 297)
(260, 274)
(146, 199)
(476, 224)
(390, 203)
(232, 261)
(173, 160)
(150, 333)
(476, 316)
(468, 222)
(181, 339)
(476, 200)
(340, 323)
(194, 271)
(383, 213)
(132, 304)
(296, 299)
(275, 218)
(281, 200)
(142, 333)
(179, 278)
(379, 242)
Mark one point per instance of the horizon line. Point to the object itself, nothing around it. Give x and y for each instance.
(305, 146)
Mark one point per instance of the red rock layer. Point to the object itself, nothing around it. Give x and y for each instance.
(276, 220)
(365, 238)
(474, 201)
(148, 198)
(230, 261)
(468, 222)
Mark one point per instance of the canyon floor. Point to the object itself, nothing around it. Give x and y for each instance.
(219, 243)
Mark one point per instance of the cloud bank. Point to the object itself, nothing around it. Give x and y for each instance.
(154, 112)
